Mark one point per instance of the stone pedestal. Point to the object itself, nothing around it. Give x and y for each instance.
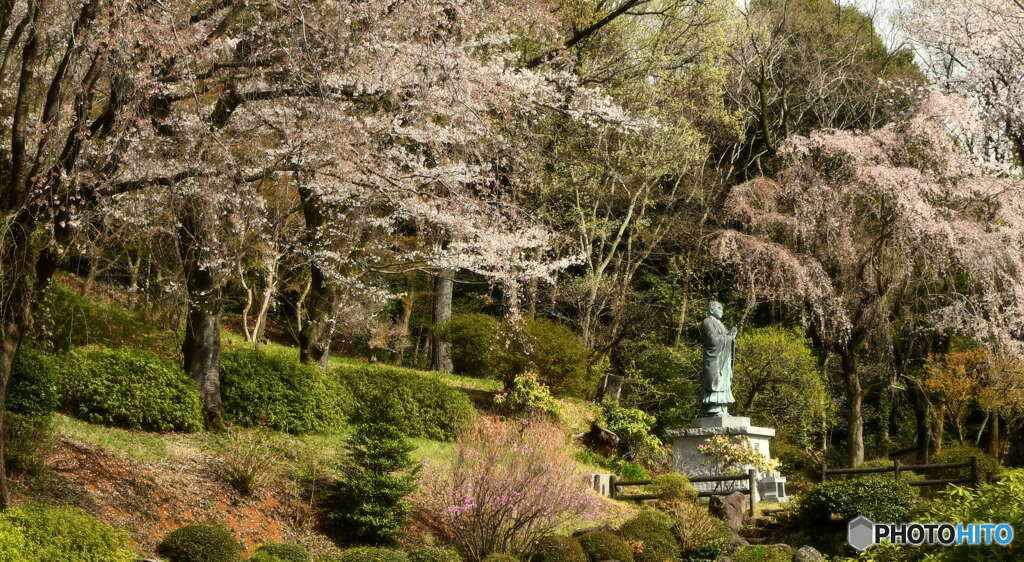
(689, 461)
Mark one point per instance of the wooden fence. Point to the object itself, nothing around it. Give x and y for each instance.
(750, 490)
(896, 469)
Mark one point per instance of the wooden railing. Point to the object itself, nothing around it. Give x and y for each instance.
(750, 490)
(896, 469)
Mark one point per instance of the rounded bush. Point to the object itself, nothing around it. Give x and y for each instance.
(558, 548)
(37, 533)
(373, 554)
(763, 553)
(434, 554)
(655, 530)
(200, 543)
(555, 353)
(472, 338)
(132, 389)
(415, 403)
(673, 486)
(282, 552)
(879, 497)
(605, 545)
(701, 535)
(279, 392)
(987, 464)
(34, 389)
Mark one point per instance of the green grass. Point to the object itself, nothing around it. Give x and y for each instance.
(138, 445)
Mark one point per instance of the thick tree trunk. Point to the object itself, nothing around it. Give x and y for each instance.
(922, 424)
(201, 352)
(316, 335)
(854, 410)
(441, 350)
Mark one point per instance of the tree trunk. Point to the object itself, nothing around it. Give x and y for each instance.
(994, 446)
(315, 337)
(201, 352)
(854, 411)
(441, 350)
(922, 424)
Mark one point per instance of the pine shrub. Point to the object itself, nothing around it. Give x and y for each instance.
(377, 475)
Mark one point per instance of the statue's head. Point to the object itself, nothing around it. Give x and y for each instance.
(715, 309)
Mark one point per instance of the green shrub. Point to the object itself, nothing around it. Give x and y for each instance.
(434, 554)
(372, 554)
(558, 548)
(701, 535)
(655, 530)
(987, 464)
(415, 403)
(605, 545)
(527, 396)
(200, 543)
(34, 389)
(37, 533)
(635, 428)
(763, 553)
(993, 502)
(879, 497)
(26, 439)
(377, 475)
(282, 552)
(554, 352)
(660, 381)
(131, 389)
(673, 487)
(473, 342)
(246, 458)
(279, 392)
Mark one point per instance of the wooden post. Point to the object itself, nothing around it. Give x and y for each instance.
(752, 482)
(896, 468)
(613, 490)
(974, 472)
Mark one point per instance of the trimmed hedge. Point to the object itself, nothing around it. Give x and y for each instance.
(373, 554)
(603, 545)
(672, 487)
(37, 533)
(200, 543)
(960, 453)
(555, 353)
(281, 552)
(279, 392)
(558, 548)
(132, 389)
(434, 554)
(879, 497)
(34, 389)
(656, 531)
(413, 402)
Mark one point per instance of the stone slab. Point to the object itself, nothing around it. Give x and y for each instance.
(751, 430)
(723, 421)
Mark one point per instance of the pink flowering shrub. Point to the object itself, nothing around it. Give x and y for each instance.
(735, 453)
(508, 485)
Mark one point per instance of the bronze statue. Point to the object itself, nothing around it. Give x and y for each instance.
(719, 347)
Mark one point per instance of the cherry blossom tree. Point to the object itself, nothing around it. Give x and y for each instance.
(859, 227)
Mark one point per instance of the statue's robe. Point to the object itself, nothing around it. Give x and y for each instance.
(716, 383)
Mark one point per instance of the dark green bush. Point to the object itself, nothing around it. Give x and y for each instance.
(279, 392)
(37, 533)
(662, 382)
(558, 548)
(673, 486)
(656, 531)
(200, 543)
(35, 383)
(473, 340)
(555, 353)
(377, 475)
(282, 552)
(763, 553)
(131, 389)
(371, 554)
(960, 453)
(416, 403)
(434, 554)
(26, 439)
(605, 545)
(879, 497)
